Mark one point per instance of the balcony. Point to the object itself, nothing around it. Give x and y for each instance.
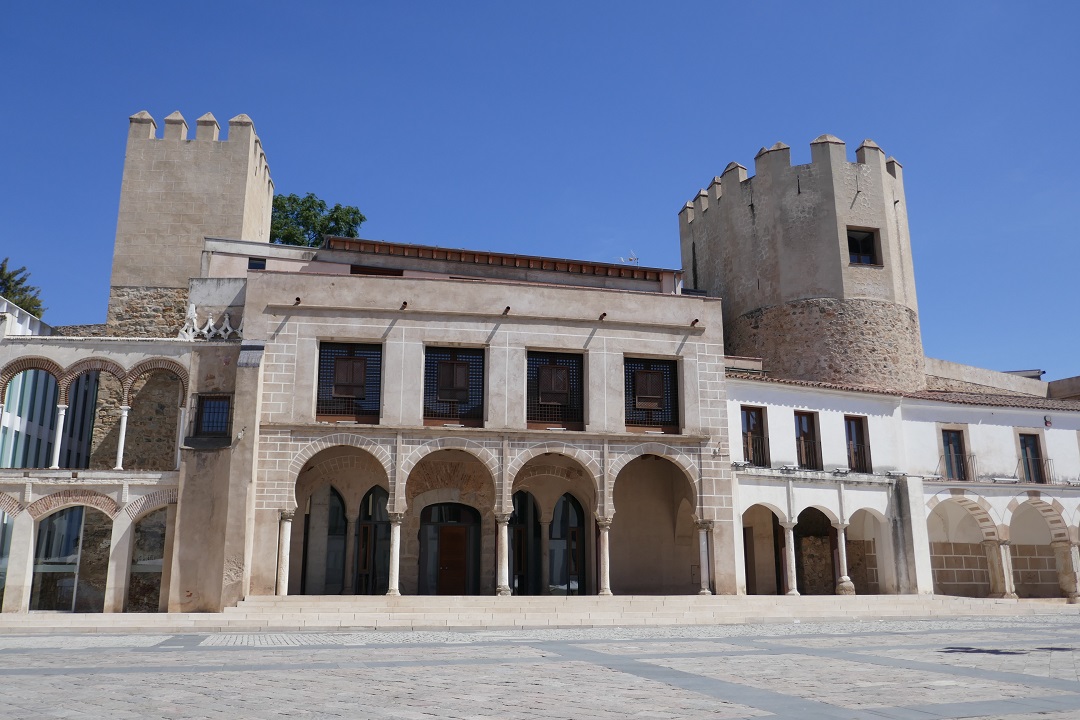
(755, 449)
(809, 454)
(1035, 470)
(858, 458)
(958, 467)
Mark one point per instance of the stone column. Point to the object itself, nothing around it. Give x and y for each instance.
(791, 581)
(284, 550)
(122, 437)
(20, 572)
(61, 413)
(545, 558)
(395, 552)
(119, 575)
(605, 555)
(502, 555)
(844, 586)
(350, 558)
(1068, 566)
(181, 424)
(999, 560)
(704, 528)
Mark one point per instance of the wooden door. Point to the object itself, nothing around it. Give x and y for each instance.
(453, 559)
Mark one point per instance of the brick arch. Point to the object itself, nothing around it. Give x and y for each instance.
(10, 505)
(673, 454)
(148, 503)
(1052, 511)
(337, 440)
(978, 507)
(587, 461)
(13, 368)
(91, 364)
(481, 453)
(150, 365)
(75, 496)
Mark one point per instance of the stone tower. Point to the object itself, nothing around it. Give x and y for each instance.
(175, 192)
(813, 263)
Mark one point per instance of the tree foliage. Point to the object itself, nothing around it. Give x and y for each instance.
(15, 287)
(304, 220)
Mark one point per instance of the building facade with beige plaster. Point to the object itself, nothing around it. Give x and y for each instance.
(369, 417)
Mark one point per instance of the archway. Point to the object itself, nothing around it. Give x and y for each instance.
(155, 397)
(1035, 570)
(373, 544)
(449, 550)
(147, 562)
(871, 565)
(71, 560)
(325, 528)
(525, 546)
(957, 555)
(567, 572)
(29, 420)
(653, 544)
(763, 544)
(815, 553)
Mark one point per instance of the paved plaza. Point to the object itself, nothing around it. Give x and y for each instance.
(1016, 668)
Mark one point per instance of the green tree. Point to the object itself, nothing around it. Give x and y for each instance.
(14, 287)
(304, 220)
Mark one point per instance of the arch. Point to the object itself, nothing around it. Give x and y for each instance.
(33, 362)
(10, 505)
(149, 365)
(481, 453)
(148, 503)
(330, 467)
(874, 512)
(91, 364)
(340, 439)
(979, 508)
(1052, 511)
(668, 452)
(75, 496)
(587, 461)
(781, 516)
(443, 495)
(833, 517)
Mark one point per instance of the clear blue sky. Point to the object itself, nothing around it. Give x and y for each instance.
(575, 129)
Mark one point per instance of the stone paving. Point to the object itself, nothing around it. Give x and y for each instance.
(1014, 668)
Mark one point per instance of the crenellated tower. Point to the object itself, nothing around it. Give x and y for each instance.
(175, 192)
(813, 263)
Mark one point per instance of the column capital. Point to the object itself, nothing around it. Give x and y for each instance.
(788, 525)
(705, 525)
(604, 523)
(288, 515)
(841, 525)
(503, 518)
(125, 408)
(396, 517)
(997, 543)
(61, 407)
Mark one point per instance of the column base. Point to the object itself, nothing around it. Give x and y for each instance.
(393, 593)
(1072, 600)
(604, 593)
(792, 592)
(503, 591)
(704, 591)
(1004, 596)
(845, 586)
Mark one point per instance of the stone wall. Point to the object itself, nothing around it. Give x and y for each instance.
(815, 566)
(863, 566)
(99, 330)
(852, 342)
(960, 569)
(150, 442)
(146, 311)
(106, 432)
(1035, 571)
(935, 382)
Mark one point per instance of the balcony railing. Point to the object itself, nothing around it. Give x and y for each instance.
(858, 458)
(809, 454)
(1035, 470)
(755, 449)
(959, 467)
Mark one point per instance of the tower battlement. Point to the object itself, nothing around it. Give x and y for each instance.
(792, 236)
(176, 192)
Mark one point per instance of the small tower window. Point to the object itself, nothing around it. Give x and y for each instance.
(863, 247)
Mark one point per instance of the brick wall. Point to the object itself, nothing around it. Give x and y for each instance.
(1035, 571)
(960, 569)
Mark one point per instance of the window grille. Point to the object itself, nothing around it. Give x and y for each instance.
(212, 416)
(454, 385)
(350, 380)
(555, 390)
(652, 394)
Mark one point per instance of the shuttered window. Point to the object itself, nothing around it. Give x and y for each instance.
(554, 385)
(453, 381)
(350, 379)
(652, 395)
(454, 386)
(554, 390)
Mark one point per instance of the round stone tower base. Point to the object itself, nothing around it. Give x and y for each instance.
(869, 343)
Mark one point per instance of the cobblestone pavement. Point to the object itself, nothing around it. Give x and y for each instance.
(1019, 669)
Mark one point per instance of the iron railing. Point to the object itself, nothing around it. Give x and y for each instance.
(809, 454)
(957, 466)
(1035, 470)
(755, 450)
(858, 458)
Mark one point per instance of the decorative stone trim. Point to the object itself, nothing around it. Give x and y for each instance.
(1052, 511)
(46, 505)
(148, 503)
(338, 439)
(149, 365)
(92, 364)
(481, 453)
(587, 461)
(15, 367)
(10, 505)
(674, 454)
(979, 508)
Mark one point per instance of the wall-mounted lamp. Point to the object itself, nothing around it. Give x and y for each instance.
(695, 322)
(297, 301)
(506, 310)
(603, 315)
(1047, 422)
(403, 306)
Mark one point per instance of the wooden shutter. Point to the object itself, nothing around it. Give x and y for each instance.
(649, 390)
(553, 384)
(453, 381)
(350, 374)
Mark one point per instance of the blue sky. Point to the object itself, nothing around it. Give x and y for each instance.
(575, 129)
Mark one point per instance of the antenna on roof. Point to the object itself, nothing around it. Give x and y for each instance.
(632, 260)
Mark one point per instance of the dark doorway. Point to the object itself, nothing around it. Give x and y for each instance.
(373, 544)
(449, 550)
(524, 546)
(815, 553)
(567, 554)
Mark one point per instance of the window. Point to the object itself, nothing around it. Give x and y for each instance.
(858, 444)
(454, 386)
(554, 391)
(350, 377)
(256, 263)
(807, 446)
(1032, 465)
(652, 395)
(955, 463)
(212, 416)
(755, 441)
(863, 247)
